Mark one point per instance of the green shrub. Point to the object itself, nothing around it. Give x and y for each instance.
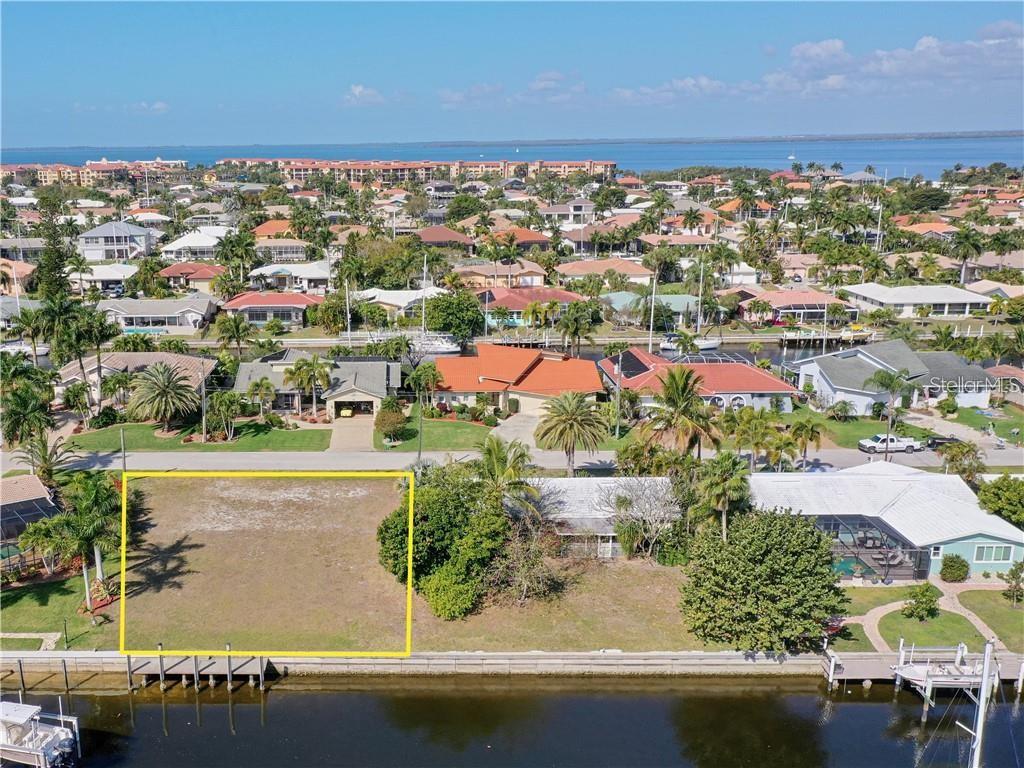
(947, 405)
(475, 412)
(460, 408)
(954, 568)
(275, 420)
(490, 420)
(501, 413)
(877, 410)
(463, 416)
(923, 603)
(390, 404)
(513, 405)
(449, 593)
(674, 546)
(628, 534)
(108, 416)
(390, 424)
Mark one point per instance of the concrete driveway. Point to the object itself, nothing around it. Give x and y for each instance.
(354, 434)
(520, 426)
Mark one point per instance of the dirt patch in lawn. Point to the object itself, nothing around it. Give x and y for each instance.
(267, 564)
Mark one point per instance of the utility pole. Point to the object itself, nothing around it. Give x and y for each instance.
(654, 296)
(203, 387)
(618, 396)
(124, 457)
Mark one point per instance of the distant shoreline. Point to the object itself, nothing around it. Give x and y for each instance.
(908, 136)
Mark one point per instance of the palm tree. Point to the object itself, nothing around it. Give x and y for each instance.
(755, 428)
(93, 496)
(76, 262)
(575, 325)
(754, 347)
(944, 338)
(571, 421)
(680, 418)
(42, 538)
(262, 391)
(45, 458)
(968, 243)
(895, 384)
(95, 331)
(998, 345)
(234, 329)
(26, 413)
(31, 324)
(77, 533)
(308, 374)
(806, 431)
(503, 467)
(723, 486)
(118, 385)
(781, 446)
(162, 393)
(840, 410)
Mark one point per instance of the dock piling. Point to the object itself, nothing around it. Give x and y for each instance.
(195, 671)
(262, 687)
(128, 671)
(21, 674)
(160, 661)
(64, 667)
(228, 647)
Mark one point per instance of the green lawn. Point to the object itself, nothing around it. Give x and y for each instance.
(438, 435)
(19, 643)
(863, 599)
(1013, 419)
(996, 611)
(626, 436)
(846, 434)
(945, 630)
(43, 608)
(249, 436)
(851, 638)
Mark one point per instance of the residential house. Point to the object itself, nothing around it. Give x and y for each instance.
(633, 271)
(22, 248)
(891, 522)
(516, 300)
(194, 368)
(931, 230)
(522, 238)
(654, 240)
(304, 277)
(802, 306)
(117, 241)
(1009, 381)
(843, 375)
(10, 306)
(521, 273)
(633, 309)
(190, 276)
(272, 228)
(723, 384)
(19, 273)
(201, 244)
(356, 384)
(444, 237)
(577, 211)
(991, 288)
(398, 303)
(529, 376)
(158, 316)
(23, 500)
(259, 307)
(907, 300)
(105, 277)
(282, 249)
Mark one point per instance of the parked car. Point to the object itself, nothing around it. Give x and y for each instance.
(897, 444)
(937, 441)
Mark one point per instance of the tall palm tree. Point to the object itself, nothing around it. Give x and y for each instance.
(95, 331)
(895, 384)
(76, 262)
(29, 324)
(571, 421)
(806, 431)
(234, 329)
(967, 243)
(998, 345)
(162, 393)
(503, 467)
(723, 486)
(755, 429)
(680, 418)
(42, 537)
(45, 458)
(781, 446)
(92, 495)
(309, 374)
(26, 413)
(263, 392)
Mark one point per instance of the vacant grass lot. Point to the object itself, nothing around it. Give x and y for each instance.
(846, 434)
(996, 611)
(946, 629)
(1012, 418)
(267, 564)
(249, 436)
(438, 435)
(42, 607)
(863, 599)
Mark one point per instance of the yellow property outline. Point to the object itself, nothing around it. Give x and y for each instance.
(126, 476)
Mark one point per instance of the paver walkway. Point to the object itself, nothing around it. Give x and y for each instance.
(519, 427)
(948, 601)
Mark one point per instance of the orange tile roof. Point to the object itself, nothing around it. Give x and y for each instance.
(600, 266)
(928, 227)
(440, 235)
(521, 235)
(553, 377)
(193, 270)
(780, 299)
(497, 369)
(272, 227)
(260, 299)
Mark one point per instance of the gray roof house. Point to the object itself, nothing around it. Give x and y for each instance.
(159, 316)
(843, 375)
(9, 309)
(117, 241)
(357, 384)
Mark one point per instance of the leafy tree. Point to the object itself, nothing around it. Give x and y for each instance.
(963, 459)
(1004, 496)
(923, 603)
(455, 313)
(462, 207)
(391, 424)
(571, 422)
(954, 569)
(162, 393)
(770, 588)
(1014, 579)
(134, 342)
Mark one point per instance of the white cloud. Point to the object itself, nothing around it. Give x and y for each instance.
(671, 91)
(547, 81)
(149, 107)
(475, 95)
(550, 87)
(830, 50)
(361, 95)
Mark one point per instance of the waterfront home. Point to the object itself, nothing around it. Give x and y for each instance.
(357, 384)
(992, 289)
(22, 248)
(680, 240)
(10, 306)
(843, 375)
(272, 228)
(521, 273)
(724, 383)
(801, 306)
(516, 300)
(259, 307)
(576, 211)
(282, 249)
(907, 300)
(19, 274)
(799, 267)
(158, 316)
(444, 237)
(529, 376)
(23, 500)
(398, 303)
(629, 307)
(105, 277)
(521, 238)
(633, 271)
(201, 244)
(930, 230)
(195, 369)
(190, 276)
(889, 521)
(117, 241)
(583, 509)
(304, 277)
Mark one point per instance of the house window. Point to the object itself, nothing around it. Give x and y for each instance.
(988, 553)
(936, 552)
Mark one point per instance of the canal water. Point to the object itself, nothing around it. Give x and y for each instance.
(592, 722)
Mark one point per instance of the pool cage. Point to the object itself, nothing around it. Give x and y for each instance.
(866, 547)
(13, 521)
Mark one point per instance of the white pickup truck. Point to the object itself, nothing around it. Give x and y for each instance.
(897, 444)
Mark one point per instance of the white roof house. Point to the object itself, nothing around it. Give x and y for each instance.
(117, 241)
(404, 302)
(303, 276)
(103, 275)
(932, 511)
(944, 300)
(200, 244)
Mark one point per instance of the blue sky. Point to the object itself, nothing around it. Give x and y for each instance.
(242, 73)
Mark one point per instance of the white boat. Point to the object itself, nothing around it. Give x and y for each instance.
(706, 344)
(670, 342)
(14, 347)
(791, 157)
(29, 736)
(434, 343)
